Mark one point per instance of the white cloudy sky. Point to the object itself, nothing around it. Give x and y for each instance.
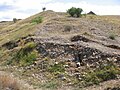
(24, 8)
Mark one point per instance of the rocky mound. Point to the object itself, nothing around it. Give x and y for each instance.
(76, 52)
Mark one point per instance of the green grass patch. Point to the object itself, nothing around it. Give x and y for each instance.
(25, 56)
(57, 68)
(28, 59)
(51, 85)
(104, 73)
(37, 20)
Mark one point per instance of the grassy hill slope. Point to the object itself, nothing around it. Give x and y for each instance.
(62, 52)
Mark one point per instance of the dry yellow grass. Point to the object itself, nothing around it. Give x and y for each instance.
(9, 82)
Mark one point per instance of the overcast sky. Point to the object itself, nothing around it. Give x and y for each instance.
(24, 8)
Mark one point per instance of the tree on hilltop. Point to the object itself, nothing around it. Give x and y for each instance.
(75, 11)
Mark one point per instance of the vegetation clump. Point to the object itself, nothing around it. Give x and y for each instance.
(14, 20)
(75, 11)
(25, 56)
(112, 37)
(44, 8)
(104, 73)
(57, 68)
(52, 85)
(37, 20)
(68, 28)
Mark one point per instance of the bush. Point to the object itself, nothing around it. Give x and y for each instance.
(25, 56)
(75, 11)
(37, 20)
(104, 73)
(112, 37)
(14, 20)
(72, 11)
(44, 8)
(78, 12)
(30, 45)
(28, 59)
(68, 28)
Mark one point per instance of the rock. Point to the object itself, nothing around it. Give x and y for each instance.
(10, 45)
(78, 64)
(115, 60)
(66, 66)
(62, 77)
(56, 63)
(79, 38)
(108, 59)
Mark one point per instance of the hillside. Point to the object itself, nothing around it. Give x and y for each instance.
(62, 52)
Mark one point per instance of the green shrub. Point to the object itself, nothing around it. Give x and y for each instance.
(104, 73)
(30, 45)
(37, 20)
(68, 28)
(78, 12)
(25, 50)
(25, 56)
(14, 20)
(72, 11)
(112, 37)
(28, 59)
(75, 11)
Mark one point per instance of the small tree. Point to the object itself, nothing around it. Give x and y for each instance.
(14, 20)
(75, 11)
(71, 11)
(78, 12)
(44, 8)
